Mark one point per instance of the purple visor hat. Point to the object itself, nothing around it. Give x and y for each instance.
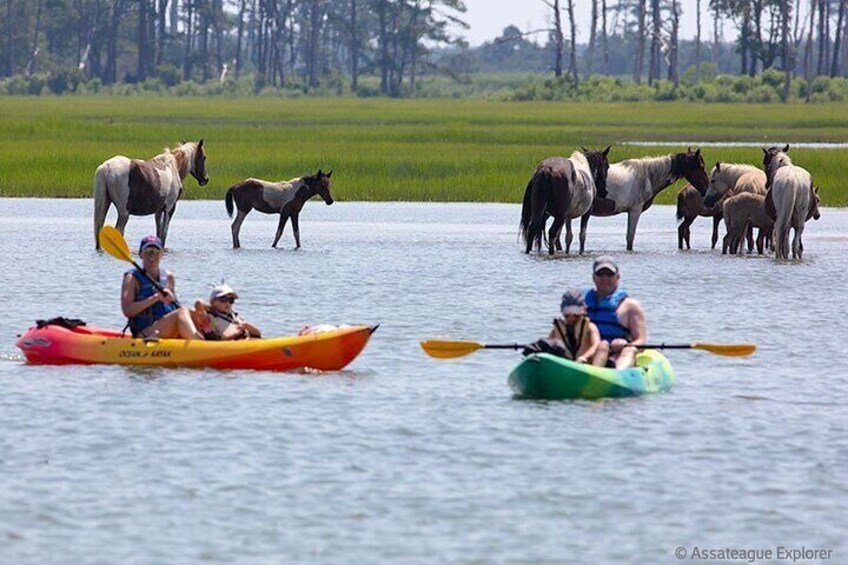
(150, 241)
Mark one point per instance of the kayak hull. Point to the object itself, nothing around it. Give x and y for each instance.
(87, 345)
(549, 377)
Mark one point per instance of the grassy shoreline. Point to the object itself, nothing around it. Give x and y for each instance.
(390, 150)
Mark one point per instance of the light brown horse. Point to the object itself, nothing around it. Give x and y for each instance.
(742, 212)
(148, 187)
(285, 198)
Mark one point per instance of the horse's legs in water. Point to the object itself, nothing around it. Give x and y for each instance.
(236, 227)
(165, 223)
(683, 232)
(553, 233)
(716, 222)
(632, 221)
(797, 246)
(569, 237)
(284, 217)
(584, 221)
(101, 208)
(160, 218)
(296, 229)
(123, 216)
(749, 234)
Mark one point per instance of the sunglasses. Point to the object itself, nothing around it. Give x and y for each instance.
(604, 273)
(151, 251)
(227, 299)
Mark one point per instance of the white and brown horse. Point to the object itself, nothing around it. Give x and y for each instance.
(562, 188)
(285, 198)
(633, 184)
(148, 187)
(791, 199)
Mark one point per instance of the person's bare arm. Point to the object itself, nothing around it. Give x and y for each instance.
(636, 322)
(594, 342)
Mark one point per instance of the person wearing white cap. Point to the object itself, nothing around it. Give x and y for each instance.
(620, 319)
(217, 319)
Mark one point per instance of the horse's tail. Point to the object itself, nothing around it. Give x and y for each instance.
(541, 193)
(101, 202)
(526, 209)
(228, 201)
(681, 213)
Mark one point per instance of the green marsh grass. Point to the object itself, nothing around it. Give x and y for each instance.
(440, 150)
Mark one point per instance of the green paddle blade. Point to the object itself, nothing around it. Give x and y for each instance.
(449, 349)
(114, 244)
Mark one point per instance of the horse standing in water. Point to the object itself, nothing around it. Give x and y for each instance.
(563, 188)
(633, 184)
(727, 180)
(791, 200)
(149, 187)
(285, 198)
(690, 205)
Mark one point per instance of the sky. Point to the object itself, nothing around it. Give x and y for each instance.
(488, 18)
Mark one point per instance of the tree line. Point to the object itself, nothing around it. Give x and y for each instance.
(306, 43)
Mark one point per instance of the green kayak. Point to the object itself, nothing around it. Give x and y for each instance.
(550, 377)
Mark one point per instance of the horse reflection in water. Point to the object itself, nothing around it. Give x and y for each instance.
(285, 198)
(142, 188)
(562, 188)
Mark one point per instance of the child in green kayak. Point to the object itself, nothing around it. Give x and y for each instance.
(573, 335)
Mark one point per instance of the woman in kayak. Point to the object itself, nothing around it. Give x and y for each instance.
(620, 319)
(218, 320)
(150, 312)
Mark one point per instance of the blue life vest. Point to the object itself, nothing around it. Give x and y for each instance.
(146, 289)
(602, 313)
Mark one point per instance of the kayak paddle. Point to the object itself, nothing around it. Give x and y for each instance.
(115, 245)
(450, 349)
(726, 349)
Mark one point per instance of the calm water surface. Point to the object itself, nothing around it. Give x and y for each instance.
(406, 459)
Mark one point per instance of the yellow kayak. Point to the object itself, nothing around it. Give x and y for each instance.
(325, 351)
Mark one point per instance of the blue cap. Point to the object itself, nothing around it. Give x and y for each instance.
(573, 302)
(150, 241)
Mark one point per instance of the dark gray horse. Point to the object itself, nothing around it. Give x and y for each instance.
(562, 188)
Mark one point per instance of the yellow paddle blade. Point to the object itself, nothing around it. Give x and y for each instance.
(727, 349)
(449, 349)
(114, 244)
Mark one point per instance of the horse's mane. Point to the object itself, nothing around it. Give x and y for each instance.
(579, 158)
(746, 167)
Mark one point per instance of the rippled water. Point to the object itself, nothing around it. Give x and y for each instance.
(406, 459)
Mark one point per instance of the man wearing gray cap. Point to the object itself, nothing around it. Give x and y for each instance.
(620, 319)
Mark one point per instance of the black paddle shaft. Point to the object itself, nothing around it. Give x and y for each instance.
(155, 284)
(505, 346)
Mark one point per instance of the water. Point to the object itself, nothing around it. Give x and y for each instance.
(406, 459)
(799, 145)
